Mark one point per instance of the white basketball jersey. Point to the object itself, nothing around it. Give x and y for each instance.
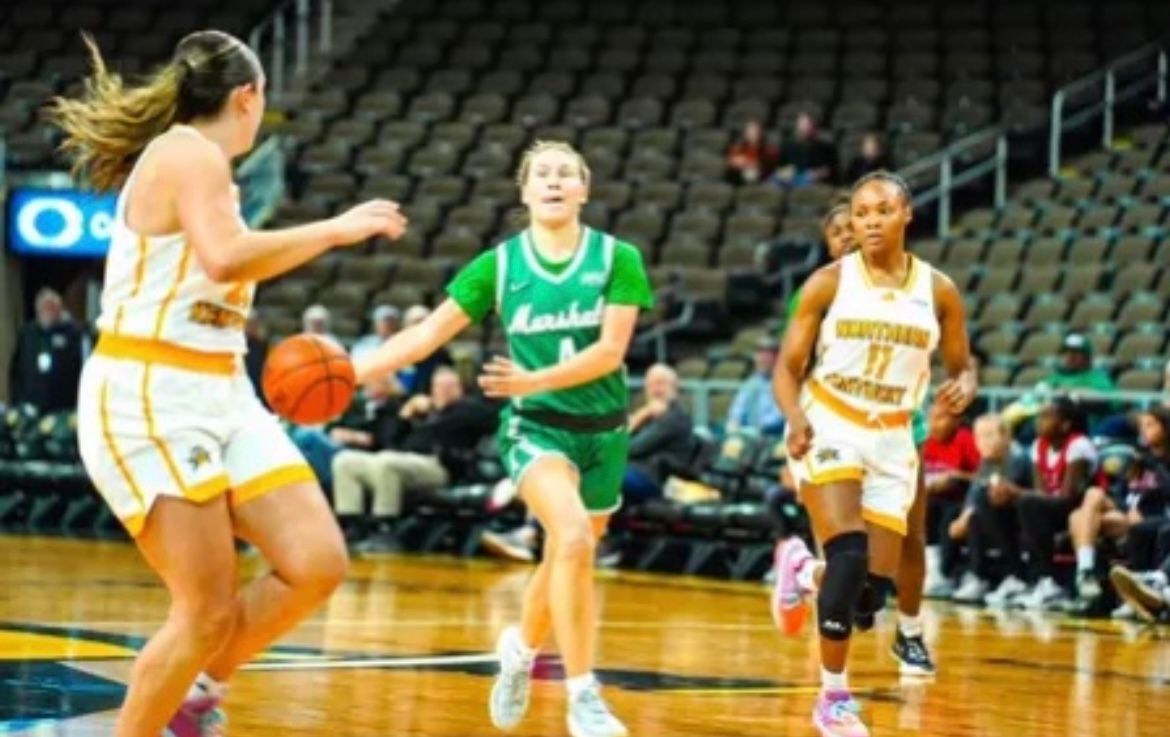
(875, 345)
(155, 289)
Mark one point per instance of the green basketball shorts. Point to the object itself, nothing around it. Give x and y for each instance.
(599, 457)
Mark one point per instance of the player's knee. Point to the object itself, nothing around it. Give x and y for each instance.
(209, 622)
(574, 541)
(318, 569)
(846, 568)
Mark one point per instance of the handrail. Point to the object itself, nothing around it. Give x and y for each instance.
(949, 180)
(997, 397)
(311, 36)
(1110, 97)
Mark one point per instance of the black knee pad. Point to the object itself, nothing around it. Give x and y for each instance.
(846, 567)
(873, 598)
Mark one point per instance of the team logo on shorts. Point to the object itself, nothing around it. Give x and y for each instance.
(198, 457)
(828, 455)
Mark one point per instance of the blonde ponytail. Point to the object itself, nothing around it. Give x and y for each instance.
(111, 123)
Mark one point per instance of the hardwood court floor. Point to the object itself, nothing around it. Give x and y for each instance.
(402, 650)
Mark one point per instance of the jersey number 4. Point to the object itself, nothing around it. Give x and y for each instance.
(877, 361)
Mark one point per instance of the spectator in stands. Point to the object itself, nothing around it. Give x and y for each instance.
(256, 336)
(371, 422)
(1147, 593)
(661, 432)
(438, 435)
(1076, 371)
(950, 460)
(1143, 492)
(754, 405)
(1065, 461)
(989, 519)
(385, 320)
(316, 320)
(46, 367)
(871, 156)
(807, 158)
(417, 379)
(751, 158)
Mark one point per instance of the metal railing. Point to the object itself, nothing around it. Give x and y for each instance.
(997, 398)
(1139, 70)
(991, 148)
(289, 39)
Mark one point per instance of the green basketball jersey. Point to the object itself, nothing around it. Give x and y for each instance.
(548, 317)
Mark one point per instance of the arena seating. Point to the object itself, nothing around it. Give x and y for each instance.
(434, 106)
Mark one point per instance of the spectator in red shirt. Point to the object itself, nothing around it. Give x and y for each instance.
(950, 460)
(751, 158)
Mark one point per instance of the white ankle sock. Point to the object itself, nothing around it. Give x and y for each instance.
(910, 626)
(577, 684)
(834, 681)
(204, 686)
(806, 575)
(525, 655)
(1086, 559)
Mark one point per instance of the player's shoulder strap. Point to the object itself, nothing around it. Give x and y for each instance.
(504, 251)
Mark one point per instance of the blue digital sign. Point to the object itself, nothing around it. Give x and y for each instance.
(59, 222)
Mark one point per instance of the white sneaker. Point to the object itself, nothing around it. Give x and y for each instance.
(971, 590)
(513, 685)
(589, 716)
(1125, 611)
(938, 588)
(1046, 594)
(1006, 593)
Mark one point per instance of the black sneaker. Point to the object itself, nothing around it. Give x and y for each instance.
(863, 622)
(912, 656)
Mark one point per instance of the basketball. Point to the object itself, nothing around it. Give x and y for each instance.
(308, 379)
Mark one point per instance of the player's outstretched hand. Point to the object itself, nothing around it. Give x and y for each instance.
(800, 437)
(956, 394)
(501, 378)
(369, 219)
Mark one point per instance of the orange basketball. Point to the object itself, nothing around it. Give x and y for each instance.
(308, 379)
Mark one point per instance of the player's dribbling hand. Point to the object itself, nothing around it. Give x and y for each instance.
(956, 394)
(800, 437)
(369, 219)
(501, 378)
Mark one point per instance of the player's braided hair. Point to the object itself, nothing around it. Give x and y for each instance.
(882, 175)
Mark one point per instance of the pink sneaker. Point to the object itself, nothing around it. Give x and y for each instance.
(838, 715)
(201, 717)
(789, 608)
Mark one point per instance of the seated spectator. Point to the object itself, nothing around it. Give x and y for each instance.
(949, 461)
(807, 158)
(416, 379)
(751, 158)
(754, 405)
(370, 423)
(1110, 514)
(871, 156)
(386, 320)
(46, 365)
(1075, 376)
(989, 520)
(316, 320)
(1147, 593)
(661, 433)
(438, 434)
(1066, 462)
